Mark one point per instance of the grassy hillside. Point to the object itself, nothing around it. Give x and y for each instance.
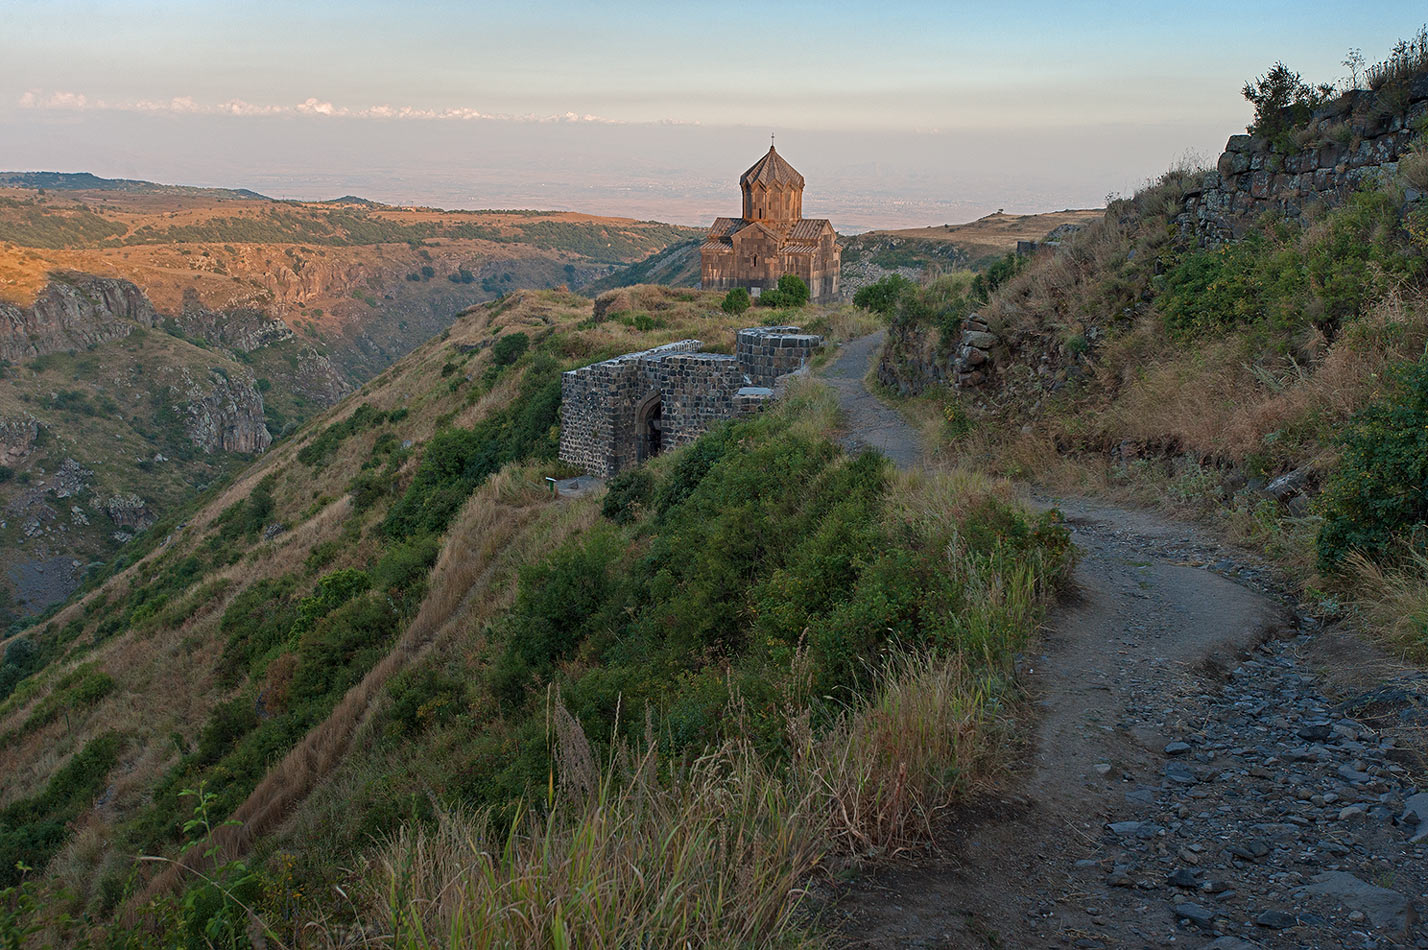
(388, 665)
(675, 266)
(293, 303)
(1274, 385)
(920, 253)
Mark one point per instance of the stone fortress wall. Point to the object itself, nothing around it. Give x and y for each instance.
(1358, 135)
(617, 413)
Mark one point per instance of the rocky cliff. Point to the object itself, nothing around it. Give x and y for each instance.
(243, 329)
(222, 411)
(1358, 135)
(72, 312)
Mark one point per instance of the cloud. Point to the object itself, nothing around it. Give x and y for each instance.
(312, 106)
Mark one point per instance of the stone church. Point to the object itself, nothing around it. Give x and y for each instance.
(772, 238)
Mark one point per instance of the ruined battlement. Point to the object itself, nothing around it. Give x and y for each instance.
(617, 413)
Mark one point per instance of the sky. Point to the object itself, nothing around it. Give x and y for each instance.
(897, 113)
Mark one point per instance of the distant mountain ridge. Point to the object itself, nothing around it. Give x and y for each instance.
(85, 181)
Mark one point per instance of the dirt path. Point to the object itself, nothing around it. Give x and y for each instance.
(1206, 770)
(868, 423)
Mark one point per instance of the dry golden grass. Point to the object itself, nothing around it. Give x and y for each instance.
(717, 852)
(1394, 601)
(998, 233)
(1222, 400)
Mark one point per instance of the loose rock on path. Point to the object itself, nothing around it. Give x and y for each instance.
(1206, 769)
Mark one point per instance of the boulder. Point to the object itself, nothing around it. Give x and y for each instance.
(1389, 911)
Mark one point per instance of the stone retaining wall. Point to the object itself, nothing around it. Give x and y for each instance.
(1358, 135)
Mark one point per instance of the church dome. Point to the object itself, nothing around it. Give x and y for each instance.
(771, 170)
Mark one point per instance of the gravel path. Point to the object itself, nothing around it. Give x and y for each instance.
(1206, 769)
(868, 423)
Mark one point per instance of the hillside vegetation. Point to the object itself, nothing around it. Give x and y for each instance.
(430, 650)
(1273, 384)
(248, 316)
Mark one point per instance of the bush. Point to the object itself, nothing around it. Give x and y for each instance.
(1282, 101)
(456, 461)
(1378, 498)
(627, 494)
(736, 301)
(791, 292)
(509, 348)
(1280, 280)
(885, 296)
(33, 829)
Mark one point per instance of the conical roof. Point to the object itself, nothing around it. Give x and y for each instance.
(771, 170)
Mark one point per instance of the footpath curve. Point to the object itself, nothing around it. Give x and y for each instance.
(1205, 768)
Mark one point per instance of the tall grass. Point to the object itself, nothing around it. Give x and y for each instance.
(1394, 600)
(715, 852)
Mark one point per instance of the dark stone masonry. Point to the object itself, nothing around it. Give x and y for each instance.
(618, 413)
(1358, 136)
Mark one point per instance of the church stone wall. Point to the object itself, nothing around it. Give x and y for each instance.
(601, 403)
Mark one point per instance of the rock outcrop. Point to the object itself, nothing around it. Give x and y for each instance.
(222, 412)
(72, 312)
(128, 510)
(17, 438)
(317, 380)
(971, 363)
(1358, 135)
(244, 329)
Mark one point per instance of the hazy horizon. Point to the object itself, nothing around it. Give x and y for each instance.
(914, 114)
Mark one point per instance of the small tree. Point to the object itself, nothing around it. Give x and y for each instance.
(794, 290)
(736, 301)
(884, 296)
(1281, 101)
(790, 292)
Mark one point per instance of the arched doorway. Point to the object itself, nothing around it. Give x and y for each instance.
(649, 435)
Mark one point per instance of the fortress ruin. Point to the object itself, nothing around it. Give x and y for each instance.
(618, 413)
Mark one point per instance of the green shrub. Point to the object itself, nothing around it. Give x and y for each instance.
(1279, 280)
(33, 829)
(254, 624)
(1377, 499)
(736, 301)
(319, 450)
(509, 348)
(456, 461)
(627, 494)
(244, 519)
(790, 292)
(741, 585)
(421, 697)
(884, 296)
